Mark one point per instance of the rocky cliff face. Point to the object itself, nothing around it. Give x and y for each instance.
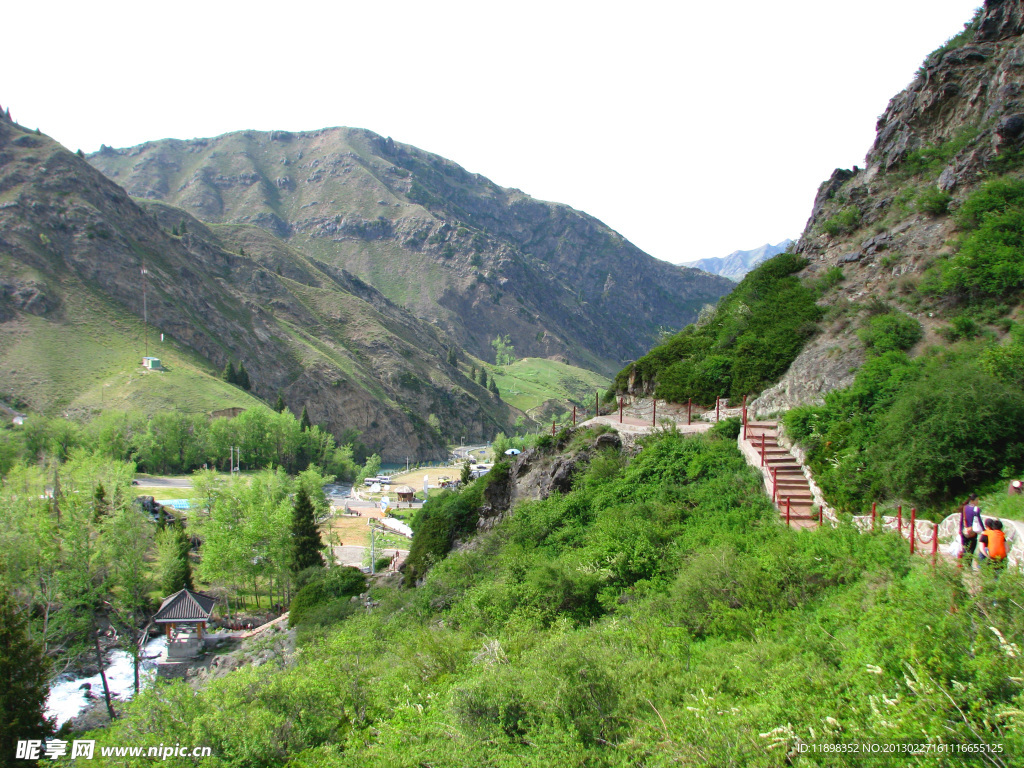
(960, 122)
(314, 332)
(452, 247)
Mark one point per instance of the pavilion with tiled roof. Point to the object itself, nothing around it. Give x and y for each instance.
(190, 611)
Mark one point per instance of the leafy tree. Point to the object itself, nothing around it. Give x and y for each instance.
(279, 406)
(466, 475)
(493, 387)
(306, 542)
(128, 541)
(229, 375)
(453, 357)
(182, 228)
(504, 352)
(370, 468)
(304, 422)
(24, 681)
(483, 377)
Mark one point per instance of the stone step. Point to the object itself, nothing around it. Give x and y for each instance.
(781, 461)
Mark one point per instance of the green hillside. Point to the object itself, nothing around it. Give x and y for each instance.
(655, 615)
(90, 358)
(529, 383)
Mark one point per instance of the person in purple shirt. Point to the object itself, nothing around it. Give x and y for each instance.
(968, 530)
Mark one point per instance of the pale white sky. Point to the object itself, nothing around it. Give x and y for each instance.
(694, 129)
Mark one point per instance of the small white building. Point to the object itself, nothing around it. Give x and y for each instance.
(152, 363)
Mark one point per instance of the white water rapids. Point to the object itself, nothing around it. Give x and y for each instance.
(67, 699)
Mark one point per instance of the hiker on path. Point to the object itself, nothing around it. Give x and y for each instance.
(993, 544)
(970, 525)
(1016, 488)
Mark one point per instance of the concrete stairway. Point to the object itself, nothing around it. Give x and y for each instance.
(790, 483)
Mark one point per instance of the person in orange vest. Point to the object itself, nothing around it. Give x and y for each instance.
(992, 543)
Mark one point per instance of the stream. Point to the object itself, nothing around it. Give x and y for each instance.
(67, 699)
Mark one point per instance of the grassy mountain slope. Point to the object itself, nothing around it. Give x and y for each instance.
(450, 246)
(73, 245)
(530, 383)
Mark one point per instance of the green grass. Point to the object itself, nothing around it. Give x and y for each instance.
(529, 383)
(90, 359)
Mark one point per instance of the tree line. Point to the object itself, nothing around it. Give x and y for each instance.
(174, 442)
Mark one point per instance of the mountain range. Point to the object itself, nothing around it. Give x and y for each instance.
(345, 271)
(738, 263)
(452, 247)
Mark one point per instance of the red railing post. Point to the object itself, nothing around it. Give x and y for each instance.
(552, 427)
(744, 417)
(654, 413)
(874, 504)
(718, 401)
(762, 449)
(620, 409)
(787, 512)
(597, 404)
(913, 527)
(574, 415)
(775, 486)
(689, 403)
(935, 543)
(899, 519)
(820, 516)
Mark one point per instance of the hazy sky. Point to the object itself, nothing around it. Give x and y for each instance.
(694, 129)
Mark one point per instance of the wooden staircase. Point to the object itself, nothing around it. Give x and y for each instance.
(787, 477)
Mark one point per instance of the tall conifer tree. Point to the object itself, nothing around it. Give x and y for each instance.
(306, 543)
(243, 377)
(24, 679)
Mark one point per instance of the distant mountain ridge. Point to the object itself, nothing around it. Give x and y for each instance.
(738, 263)
(475, 259)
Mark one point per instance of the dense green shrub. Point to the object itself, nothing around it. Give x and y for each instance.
(924, 430)
(729, 429)
(948, 431)
(890, 332)
(842, 223)
(445, 517)
(327, 586)
(990, 261)
(749, 341)
(934, 201)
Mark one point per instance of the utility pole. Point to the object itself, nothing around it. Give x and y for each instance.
(145, 311)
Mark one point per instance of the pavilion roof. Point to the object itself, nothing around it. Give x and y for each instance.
(185, 606)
